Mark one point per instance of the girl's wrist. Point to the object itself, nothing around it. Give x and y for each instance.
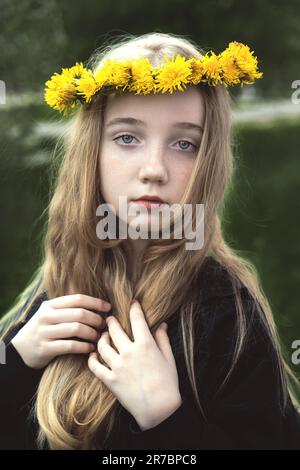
(150, 422)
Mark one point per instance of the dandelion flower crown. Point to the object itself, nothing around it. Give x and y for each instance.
(235, 65)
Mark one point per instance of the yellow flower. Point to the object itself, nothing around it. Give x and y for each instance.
(231, 71)
(142, 80)
(60, 92)
(244, 61)
(77, 70)
(197, 70)
(212, 69)
(87, 86)
(173, 74)
(113, 73)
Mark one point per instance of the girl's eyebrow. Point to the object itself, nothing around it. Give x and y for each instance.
(138, 122)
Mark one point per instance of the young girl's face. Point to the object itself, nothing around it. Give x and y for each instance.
(154, 153)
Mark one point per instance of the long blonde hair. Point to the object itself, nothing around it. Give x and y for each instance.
(73, 408)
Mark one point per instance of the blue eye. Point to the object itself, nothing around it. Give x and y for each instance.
(189, 143)
(124, 135)
(130, 136)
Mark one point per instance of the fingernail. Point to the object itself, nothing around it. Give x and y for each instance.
(107, 305)
(165, 326)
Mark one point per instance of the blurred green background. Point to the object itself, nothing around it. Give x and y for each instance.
(38, 38)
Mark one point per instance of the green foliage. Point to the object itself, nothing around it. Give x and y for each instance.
(262, 217)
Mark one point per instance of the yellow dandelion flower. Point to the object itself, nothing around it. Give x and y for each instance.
(113, 73)
(101, 77)
(212, 68)
(60, 92)
(77, 70)
(87, 86)
(142, 80)
(245, 61)
(197, 70)
(231, 71)
(174, 74)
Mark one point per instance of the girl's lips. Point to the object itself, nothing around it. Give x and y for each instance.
(147, 203)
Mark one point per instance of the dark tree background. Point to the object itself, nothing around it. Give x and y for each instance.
(38, 38)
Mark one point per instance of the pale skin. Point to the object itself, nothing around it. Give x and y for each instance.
(142, 373)
(46, 334)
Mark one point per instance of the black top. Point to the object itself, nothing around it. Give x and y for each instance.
(244, 415)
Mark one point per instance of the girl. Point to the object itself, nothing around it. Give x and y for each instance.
(81, 374)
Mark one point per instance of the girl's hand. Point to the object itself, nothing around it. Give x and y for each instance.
(45, 335)
(143, 375)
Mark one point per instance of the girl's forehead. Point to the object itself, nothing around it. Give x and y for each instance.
(189, 102)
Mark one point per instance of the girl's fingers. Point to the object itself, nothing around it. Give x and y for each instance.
(99, 370)
(68, 330)
(81, 315)
(163, 342)
(117, 334)
(107, 353)
(69, 346)
(79, 300)
(139, 325)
